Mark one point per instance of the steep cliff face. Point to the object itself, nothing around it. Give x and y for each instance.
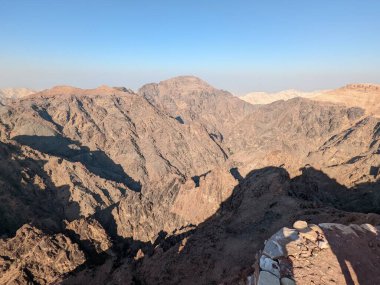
(180, 183)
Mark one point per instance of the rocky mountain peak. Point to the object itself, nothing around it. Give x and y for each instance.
(181, 84)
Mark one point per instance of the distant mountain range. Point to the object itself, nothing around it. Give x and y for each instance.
(266, 98)
(363, 95)
(15, 92)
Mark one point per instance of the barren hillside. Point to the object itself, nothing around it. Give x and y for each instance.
(179, 183)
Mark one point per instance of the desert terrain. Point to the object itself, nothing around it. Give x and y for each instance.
(180, 182)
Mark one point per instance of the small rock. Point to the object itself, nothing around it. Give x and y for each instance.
(266, 278)
(300, 225)
(287, 281)
(139, 254)
(269, 265)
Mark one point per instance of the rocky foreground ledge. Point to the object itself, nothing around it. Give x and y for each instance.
(320, 254)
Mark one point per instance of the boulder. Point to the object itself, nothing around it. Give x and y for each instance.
(266, 278)
(269, 265)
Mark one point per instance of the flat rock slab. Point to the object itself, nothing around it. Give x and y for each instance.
(287, 281)
(275, 246)
(266, 278)
(300, 225)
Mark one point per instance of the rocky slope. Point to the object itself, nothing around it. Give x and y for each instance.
(365, 96)
(34, 257)
(194, 102)
(180, 183)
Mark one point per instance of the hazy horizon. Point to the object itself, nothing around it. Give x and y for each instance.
(241, 47)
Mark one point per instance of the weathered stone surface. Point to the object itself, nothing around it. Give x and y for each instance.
(268, 264)
(266, 278)
(276, 245)
(45, 258)
(287, 281)
(90, 234)
(347, 230)
(300, 225)
(273, 249)
(309, 234)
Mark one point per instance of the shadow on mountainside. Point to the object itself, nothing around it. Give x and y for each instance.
(357, 254)
(96, 161)
(222, 249)
(27, 194)
(316, 186)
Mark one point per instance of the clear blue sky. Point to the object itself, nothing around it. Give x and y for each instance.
(236, 45)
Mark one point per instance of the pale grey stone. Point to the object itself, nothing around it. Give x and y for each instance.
(273, 249)
(266, 278)
(287, 281)
(267, 264)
